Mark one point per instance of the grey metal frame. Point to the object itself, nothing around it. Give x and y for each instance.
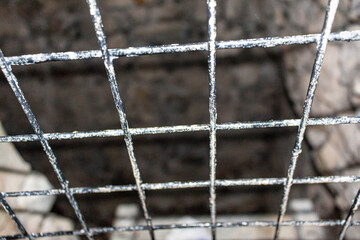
(108, 55)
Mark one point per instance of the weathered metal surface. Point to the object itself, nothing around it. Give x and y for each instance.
(110, 71)
(211, 6)
(321, 49)
(353, 209)
(12, 214)
(182, 129)
(211, 46)
(180, 48)
(185, 185)
(95, 231)
(10, 77)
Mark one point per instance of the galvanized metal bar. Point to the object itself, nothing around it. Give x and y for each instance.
(29, 59)
(102, 230)
(183, 129)
(188, 185)
(110, 71)
(211, 8)
(353, 209)
(321, 48)
(13, 216)
(10, 77)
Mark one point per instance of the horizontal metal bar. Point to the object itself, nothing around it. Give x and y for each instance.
(187, 185)
(179, 48)
(182, 129)
(101, 230)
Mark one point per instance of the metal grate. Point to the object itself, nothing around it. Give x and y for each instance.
(108, 55)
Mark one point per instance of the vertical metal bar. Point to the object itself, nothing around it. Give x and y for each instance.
(321, 48)
(6, 69)
(211, 7)
(350, 215)
(109, 66)
(12, 214)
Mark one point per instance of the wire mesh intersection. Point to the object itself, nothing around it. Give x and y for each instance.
(211, 46)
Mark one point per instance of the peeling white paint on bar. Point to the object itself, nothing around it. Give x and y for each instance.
(110, 71)
(211, 7)
(181, 48)
(183, 129)
(186, 185)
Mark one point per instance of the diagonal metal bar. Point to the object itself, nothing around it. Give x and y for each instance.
(350, 215)
(211, 8)
(109, 66)
(321, 48)
(183, 129)
(12, 214)
(6, 69)
(181, 48)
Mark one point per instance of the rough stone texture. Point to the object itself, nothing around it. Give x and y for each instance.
(125, 215)
(10, 158)
(16, 175)
(299, 209)
(7, 226)
(170, 89)
(12, 182)
(37, 222)
(53, 223)
(36, 181)
(332, 95)
(336, 148)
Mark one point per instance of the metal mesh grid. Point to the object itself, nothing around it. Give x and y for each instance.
(108, 55)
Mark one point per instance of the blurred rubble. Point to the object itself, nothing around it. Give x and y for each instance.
(33, 212)
(299, 210)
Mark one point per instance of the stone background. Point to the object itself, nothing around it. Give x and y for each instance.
(172, 89)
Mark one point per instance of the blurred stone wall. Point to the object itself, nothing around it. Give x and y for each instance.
(172, 89)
